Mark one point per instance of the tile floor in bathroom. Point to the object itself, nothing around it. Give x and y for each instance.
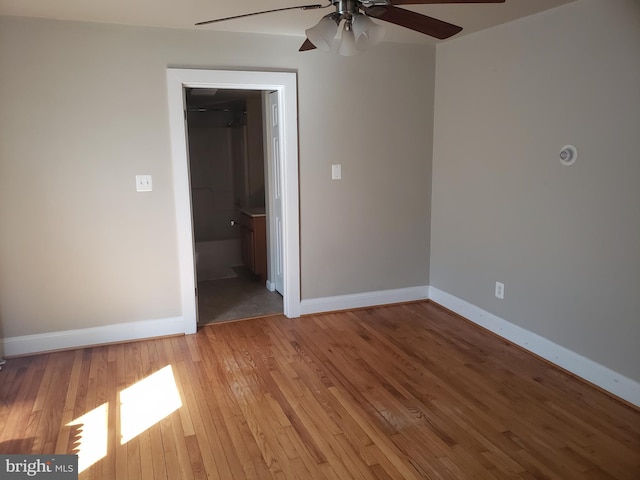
(243, 296)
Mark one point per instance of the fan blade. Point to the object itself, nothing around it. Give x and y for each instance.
(414, 21)
(307, 45)
(301, 7)
(440, 2)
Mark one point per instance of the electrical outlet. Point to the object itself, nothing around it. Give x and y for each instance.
(500, 290)
(144, 183)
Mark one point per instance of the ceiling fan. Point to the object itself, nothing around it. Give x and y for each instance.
(359, 31)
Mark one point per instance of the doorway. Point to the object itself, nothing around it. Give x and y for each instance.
(228, 164)
(284, 86)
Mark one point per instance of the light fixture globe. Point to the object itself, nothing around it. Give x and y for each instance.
(348, 41)
(323, 33)
(367, 32)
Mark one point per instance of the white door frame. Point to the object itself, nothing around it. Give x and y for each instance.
(285, 84)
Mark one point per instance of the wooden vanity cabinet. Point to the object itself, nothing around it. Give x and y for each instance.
(254, 243)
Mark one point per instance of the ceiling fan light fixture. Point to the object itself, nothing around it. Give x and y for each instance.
(348, 41)
(323, 33)
(367, 32)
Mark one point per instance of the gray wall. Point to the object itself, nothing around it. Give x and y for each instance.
(565, 241)
(84, 109)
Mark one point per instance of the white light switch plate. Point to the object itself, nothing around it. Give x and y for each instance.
(144, 183)
(336, 172)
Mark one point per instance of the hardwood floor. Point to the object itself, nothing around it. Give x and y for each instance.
(407, 391)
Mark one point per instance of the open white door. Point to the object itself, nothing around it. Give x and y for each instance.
(275, 162)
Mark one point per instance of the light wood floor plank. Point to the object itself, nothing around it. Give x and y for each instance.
(397, 392)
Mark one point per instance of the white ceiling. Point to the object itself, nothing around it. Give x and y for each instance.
(184, 13)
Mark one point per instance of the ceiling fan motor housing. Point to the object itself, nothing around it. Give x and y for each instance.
(346, 8)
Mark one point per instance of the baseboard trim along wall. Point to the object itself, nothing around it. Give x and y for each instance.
(120, 332)
(605, 378)
(593, 372)
(359, 300)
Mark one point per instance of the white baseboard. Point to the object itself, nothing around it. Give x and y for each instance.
(589, 370)
(583, 367)
(271, 286)
(120, 332)
(359, 300)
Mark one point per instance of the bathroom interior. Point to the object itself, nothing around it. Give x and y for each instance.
(227, 175)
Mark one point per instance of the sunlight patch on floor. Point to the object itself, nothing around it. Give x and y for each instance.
(147, 402)
(93, 432)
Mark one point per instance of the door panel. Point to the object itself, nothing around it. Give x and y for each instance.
(276, 214)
